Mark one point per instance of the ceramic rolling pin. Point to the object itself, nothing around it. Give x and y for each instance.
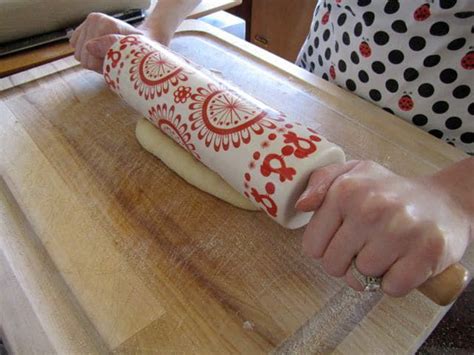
(264, 155)
(260, 152)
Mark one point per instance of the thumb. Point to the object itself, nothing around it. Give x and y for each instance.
(319, 183)
(99, 46)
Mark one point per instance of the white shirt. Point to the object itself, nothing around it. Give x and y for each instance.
(414, 58)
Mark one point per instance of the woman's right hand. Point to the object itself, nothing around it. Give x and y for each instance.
(95, 36)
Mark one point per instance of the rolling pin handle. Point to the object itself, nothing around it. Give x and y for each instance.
(445, 288)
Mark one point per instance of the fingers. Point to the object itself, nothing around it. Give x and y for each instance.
(94, 64)
(84, 54)
(374, 259)
(96, 50)
(375, 252)
(91, 42)
(406, 274)
(386, 258)
(78, 45)
(319, 184)
(75, 35)
(394, 227)
(343, 247)
(400, 278)
(98, 47)
(321, 228)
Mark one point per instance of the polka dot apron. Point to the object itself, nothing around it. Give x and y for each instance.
(412, 58)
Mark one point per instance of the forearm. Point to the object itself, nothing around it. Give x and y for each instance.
(166, 18)
(458, 181)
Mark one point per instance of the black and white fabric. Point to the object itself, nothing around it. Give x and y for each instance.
(413, 58)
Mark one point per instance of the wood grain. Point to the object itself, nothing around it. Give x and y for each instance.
(53, 308)
(156, 265)
(91, 275)
(24, 331)
(31, 58)
(281, 26)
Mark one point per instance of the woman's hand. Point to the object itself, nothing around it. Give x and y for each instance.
(403, 229)
(98, 32)
(95, 36)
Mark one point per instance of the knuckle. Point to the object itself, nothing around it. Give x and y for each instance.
(109, 26)
(397, 285)
(346, 186)
(369, 165)
(401, 222)
(372, 208)
(366, 164)
(366, 265)
(434, 247)
(394, 288)
(314, 253)
(95, 16)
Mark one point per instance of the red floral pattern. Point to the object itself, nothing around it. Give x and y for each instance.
(182, 94)
(271, 165)
(173, 126)
(222, 118)
(153, 74)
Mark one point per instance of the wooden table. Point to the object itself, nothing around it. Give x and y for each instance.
(105, 249)
(28, 59)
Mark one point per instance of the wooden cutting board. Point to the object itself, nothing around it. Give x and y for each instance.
(103, 248)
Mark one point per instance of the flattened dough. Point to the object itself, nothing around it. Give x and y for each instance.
(184, 164)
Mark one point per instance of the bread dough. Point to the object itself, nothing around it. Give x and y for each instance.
(186, 166)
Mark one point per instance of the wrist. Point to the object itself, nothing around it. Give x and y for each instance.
(454, 182)
(156, 33)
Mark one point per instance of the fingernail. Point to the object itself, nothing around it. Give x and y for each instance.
(304, 195)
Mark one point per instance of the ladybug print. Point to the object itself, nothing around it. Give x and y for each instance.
(332, 72)
(422, 13)
(467, 62)
(325, 18)
(364, 49)
(406, 103)
(412, 58)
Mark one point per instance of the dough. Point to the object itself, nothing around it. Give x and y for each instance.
(184, 164)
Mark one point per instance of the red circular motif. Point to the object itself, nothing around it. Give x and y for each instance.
(153, 73)
(222, 118)
(182, 94)
(170, 124)
(270, 188)
(287, 150)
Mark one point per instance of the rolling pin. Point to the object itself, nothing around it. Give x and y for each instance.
(260, 152)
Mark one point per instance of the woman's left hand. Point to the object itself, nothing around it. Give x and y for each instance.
(405, 230)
